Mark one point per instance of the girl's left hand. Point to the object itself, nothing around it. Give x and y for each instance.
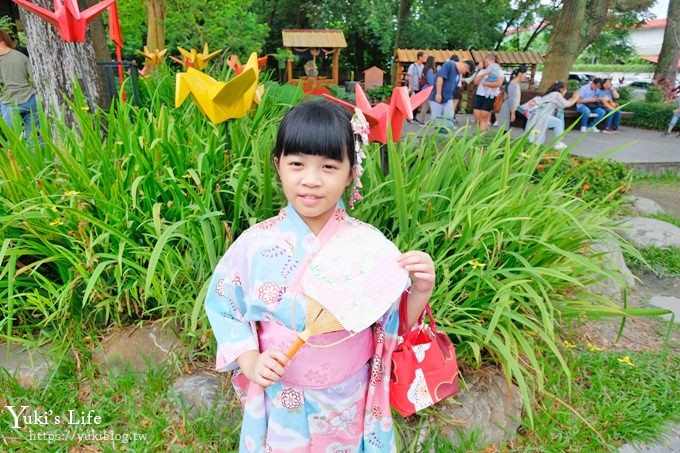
(421, 270)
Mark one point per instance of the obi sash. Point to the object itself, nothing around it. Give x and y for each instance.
(316, 367)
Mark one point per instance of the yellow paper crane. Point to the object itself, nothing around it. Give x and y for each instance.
(152, 59)
(219, 101)
(193, 59)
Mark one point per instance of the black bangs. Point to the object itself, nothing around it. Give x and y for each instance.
(318, 128)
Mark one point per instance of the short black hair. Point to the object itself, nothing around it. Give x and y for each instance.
(420, 54)
(471, 64)
(597, 81)
(317, 128)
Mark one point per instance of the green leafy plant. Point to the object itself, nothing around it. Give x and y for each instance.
(648, 115)
(379, 93)
(598, 180)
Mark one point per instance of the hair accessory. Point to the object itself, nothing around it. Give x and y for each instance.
(361, 129)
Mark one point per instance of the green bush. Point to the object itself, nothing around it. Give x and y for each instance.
(609, 68)
(594, 180)
(624, 95)
(648, 115)
(379, 93)
(654, 94)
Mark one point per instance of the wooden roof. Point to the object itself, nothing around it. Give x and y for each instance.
(314, 38)
(440, 56)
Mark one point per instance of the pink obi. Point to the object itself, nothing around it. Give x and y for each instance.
(318, 367)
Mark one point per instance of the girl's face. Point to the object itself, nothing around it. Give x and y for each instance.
(313, 185)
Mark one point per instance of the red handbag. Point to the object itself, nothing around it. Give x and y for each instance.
(424, 366)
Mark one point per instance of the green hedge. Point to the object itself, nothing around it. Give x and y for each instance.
(648, 115)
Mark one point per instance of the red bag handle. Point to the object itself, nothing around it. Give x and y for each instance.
(403, 314)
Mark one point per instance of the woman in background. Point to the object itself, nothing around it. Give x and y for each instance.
(513, 94)
(544, 117)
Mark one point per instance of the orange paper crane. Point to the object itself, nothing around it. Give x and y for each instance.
(379, 116)
(70, 22)
(193, 59)
(219, 101)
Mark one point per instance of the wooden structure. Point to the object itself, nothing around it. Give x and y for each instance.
(404, 57)
(373, 77)
(314, 42)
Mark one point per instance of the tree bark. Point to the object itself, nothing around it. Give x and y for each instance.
(667, 67)
(156, 13)
(565, 42)
(56, 65)
(402, 17)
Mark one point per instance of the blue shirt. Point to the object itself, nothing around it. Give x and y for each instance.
(585, 92)
(448, 72)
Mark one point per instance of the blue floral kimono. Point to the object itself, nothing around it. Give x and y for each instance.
(250, 290)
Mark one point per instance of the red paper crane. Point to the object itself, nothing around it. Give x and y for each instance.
(234, 64)
(400, 107)
(67, 18)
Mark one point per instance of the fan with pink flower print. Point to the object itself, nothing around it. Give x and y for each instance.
(350, 283)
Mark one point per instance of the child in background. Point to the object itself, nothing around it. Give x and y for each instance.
(674, 118)
(336, 398)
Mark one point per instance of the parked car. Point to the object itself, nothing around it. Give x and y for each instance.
(638, 88)
(581, 78)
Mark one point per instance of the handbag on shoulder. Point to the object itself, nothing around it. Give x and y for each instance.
(530, 106)
(424, 366)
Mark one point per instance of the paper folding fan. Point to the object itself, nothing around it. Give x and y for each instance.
(351, 282)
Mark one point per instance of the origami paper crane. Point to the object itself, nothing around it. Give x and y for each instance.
(381, 115)
(152, 59)
(219, 101)
(70, 22)
(234, 64)
(193, 59)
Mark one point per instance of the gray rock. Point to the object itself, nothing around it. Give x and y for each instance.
(670, 303)
(201, 393)
(612, 259)
(644, 232)
(646, 206)
(669, 442)
(29, 366)
(485, 405)
(138, 348)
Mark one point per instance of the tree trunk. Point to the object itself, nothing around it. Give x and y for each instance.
(575, 27)
(565, 42)
(57, 64)
(667, 66)
(156, 12)
(402, 17)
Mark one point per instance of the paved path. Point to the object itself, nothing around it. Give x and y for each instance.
(642, 148)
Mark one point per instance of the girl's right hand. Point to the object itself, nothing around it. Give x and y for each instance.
(263, 368)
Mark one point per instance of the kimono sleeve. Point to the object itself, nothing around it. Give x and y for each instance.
(225, 306)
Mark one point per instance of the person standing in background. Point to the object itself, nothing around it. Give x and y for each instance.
(430, 72)
(17, 95)
(513, 94)
(415, 71)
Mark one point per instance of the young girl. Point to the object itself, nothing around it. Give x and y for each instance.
(323, 399)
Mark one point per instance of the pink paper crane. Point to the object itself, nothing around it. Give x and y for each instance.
(379, 116)
(70, 22)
